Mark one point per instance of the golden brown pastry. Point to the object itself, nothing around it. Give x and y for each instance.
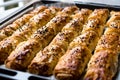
(24, 19)
(38, 9)
(41, 37)
(103, 64)
(114, 25)
(26, 31)
(114, 16)
(69, 10)
(49, 56)
(108, 41)
(96, 21)
(94, 26)
(101, 14)
(23, 53)
(72, 64)
(89, 39)
(10, 29)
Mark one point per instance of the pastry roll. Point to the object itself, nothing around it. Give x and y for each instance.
(49, 56)
(114, 27)
(101, 14)
(42, 36)
(77, 56)
(38, 9)
(113, 16)
(6, 46)
(23, 53)
(89, 39)
(96, 21)
(10, 29)
(103, 64)
(26, 31)
(93, 25)
(79, 18)
(107, 41)
(72, 64)
(69, 10)
(114, 23)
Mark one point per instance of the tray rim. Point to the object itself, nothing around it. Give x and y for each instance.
(32, 4)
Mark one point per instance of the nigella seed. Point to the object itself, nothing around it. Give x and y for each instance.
(12, 28)
(101, 66)
(96, 61)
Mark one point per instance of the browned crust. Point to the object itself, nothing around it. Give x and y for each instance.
(103, 64)
(72, 64)
(42, 37)
(10, 29)
(45, 60)
(26, 31)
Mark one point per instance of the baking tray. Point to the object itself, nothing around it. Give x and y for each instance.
(9, 74)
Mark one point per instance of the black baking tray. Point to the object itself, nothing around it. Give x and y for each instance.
(9, 74)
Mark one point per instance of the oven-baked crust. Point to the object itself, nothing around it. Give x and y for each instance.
(10, 29)
(60, 42)
(49, 56)
(42, 36)
(26, 31)
(72, 64)
(103, 64)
